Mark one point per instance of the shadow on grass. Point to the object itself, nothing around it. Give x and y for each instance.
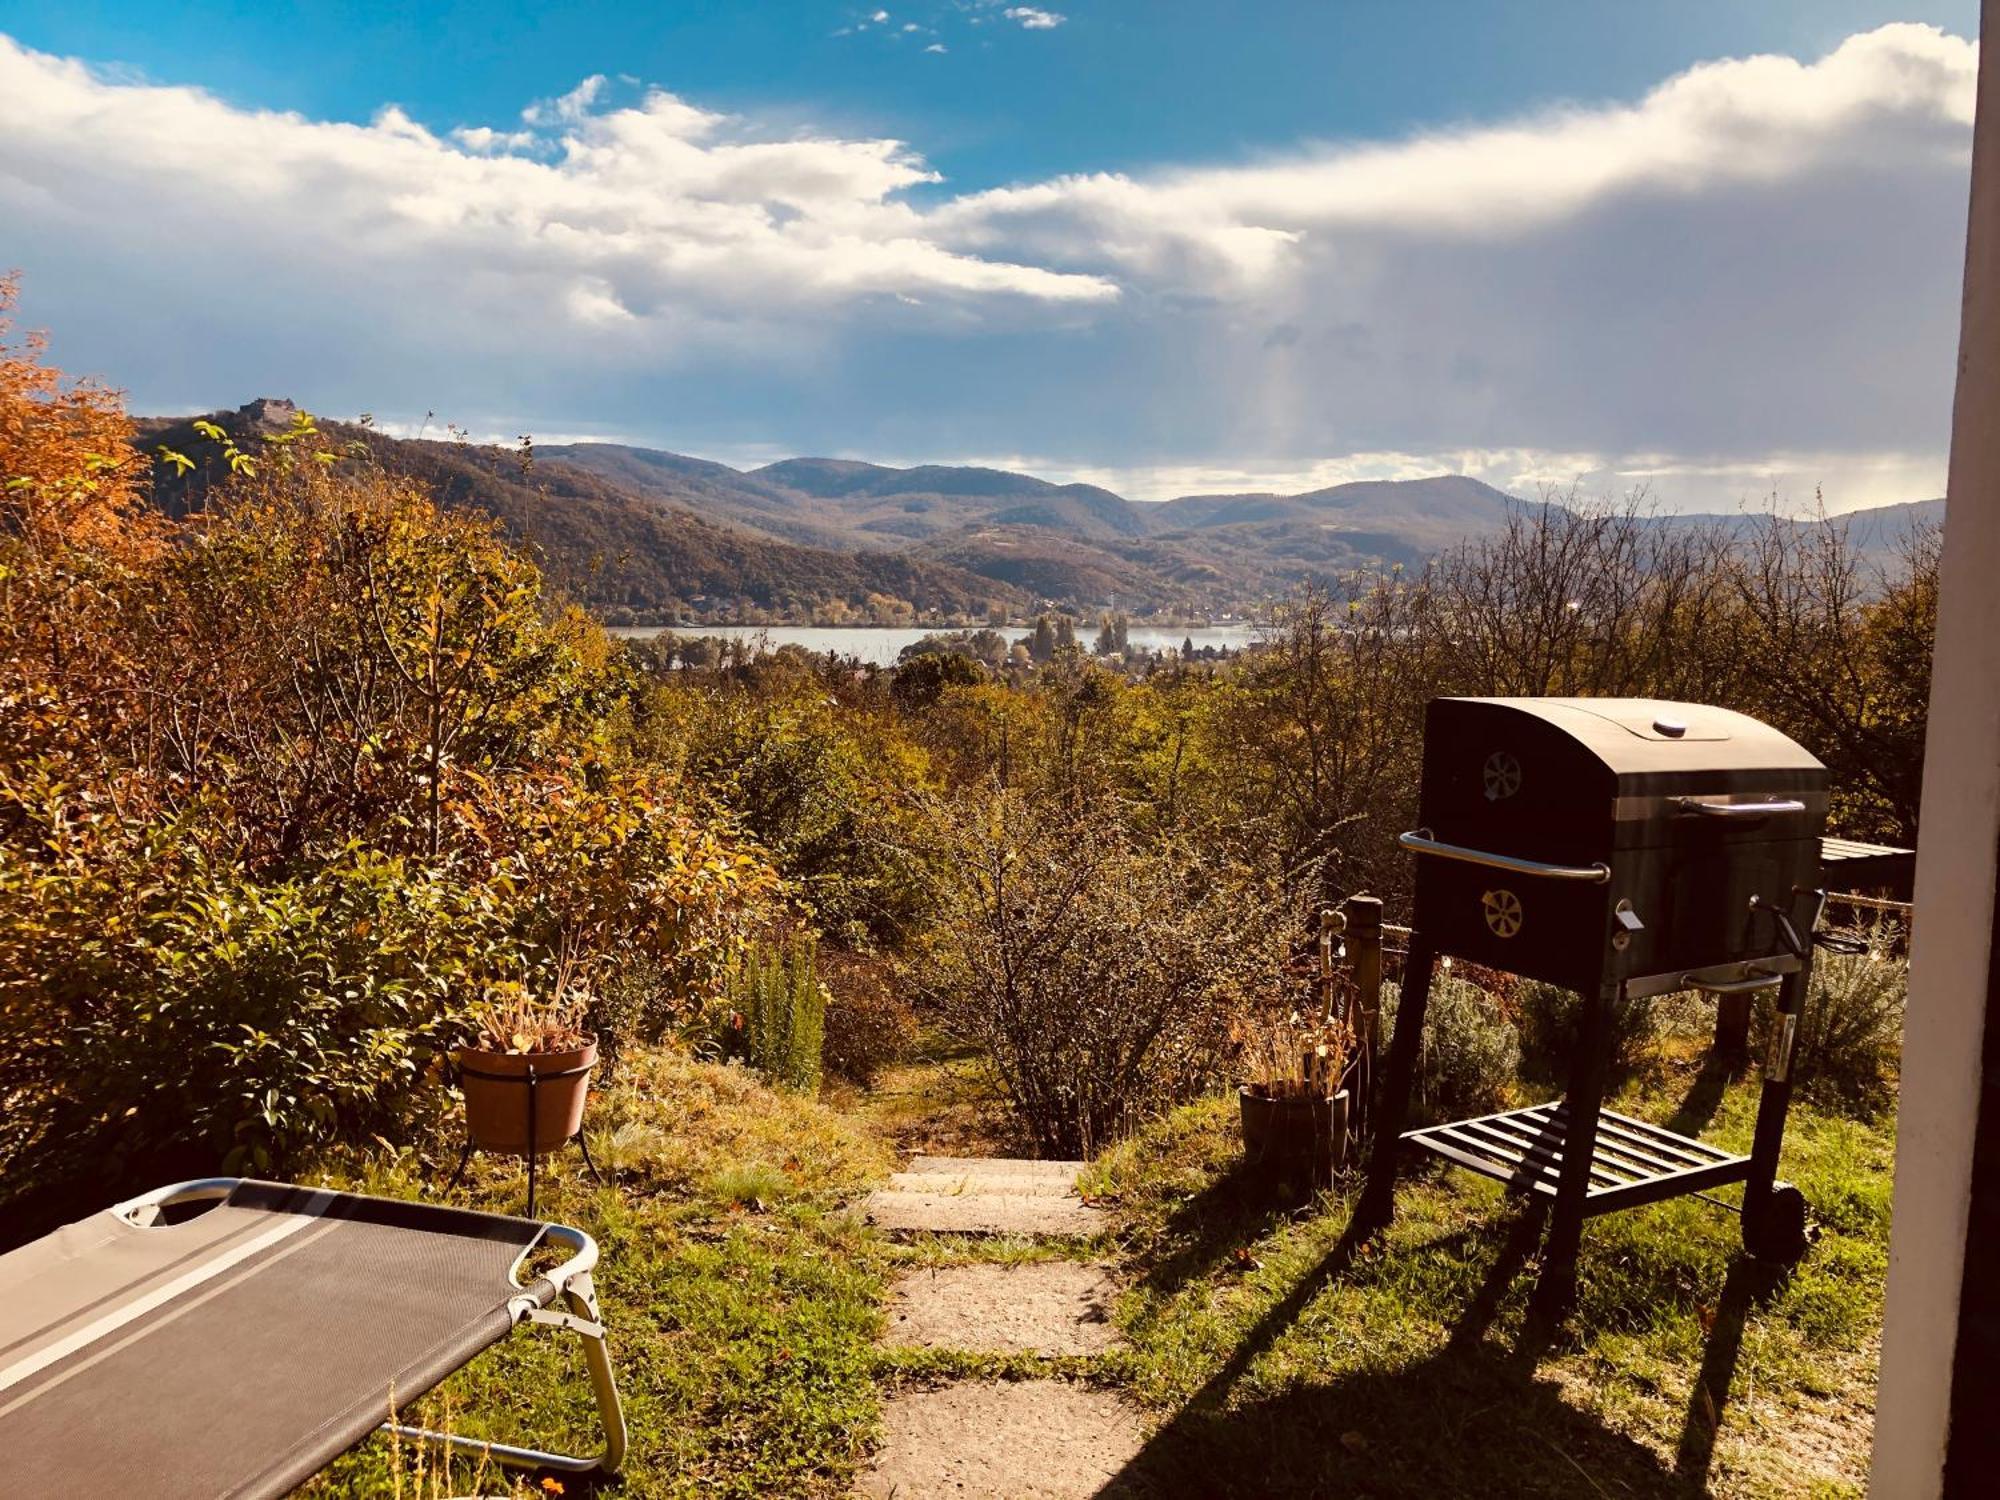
(1467, 1421)
(1246, 1203)
(1472, 1419)
(1751, 1285)
(1704, 1095)
(1524, 1236)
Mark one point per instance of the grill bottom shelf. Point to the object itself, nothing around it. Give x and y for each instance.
(1632, 1163)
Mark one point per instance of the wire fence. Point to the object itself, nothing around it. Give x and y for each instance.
(1903, 909)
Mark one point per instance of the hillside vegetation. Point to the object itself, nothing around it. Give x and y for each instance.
(615, 548)
(641, 534)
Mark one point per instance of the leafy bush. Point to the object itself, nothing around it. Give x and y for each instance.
(868, 1026)
(775, 988)
(283, 790)
(1099, 974)
(1470, 1054)
(178, 1007)
(1850, 1034)
(1550, 1018)
(818, 789)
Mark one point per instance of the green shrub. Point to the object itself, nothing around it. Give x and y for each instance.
(1549, 1017)
(1470, 1054)
(333, 762)
(195, 1014)
(1850, 1033)
(819, 789)
(775, 988)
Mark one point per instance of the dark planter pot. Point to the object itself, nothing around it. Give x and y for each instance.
(1311, 1132)
(503, 1090)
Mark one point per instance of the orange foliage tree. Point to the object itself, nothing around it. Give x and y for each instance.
(288, 786)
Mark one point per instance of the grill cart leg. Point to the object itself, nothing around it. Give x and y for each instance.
(1555, 1291)
(1774, 1213)
(1378, 1199)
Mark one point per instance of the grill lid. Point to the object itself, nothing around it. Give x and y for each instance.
(1650, 736)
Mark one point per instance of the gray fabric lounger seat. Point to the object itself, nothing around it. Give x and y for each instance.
(234, 1352)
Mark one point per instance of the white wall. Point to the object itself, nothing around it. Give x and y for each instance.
(1955, 880)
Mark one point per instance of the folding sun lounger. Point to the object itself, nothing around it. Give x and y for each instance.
(159, 1350)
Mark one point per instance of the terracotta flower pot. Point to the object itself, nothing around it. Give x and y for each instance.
(496, 1086)
(1309, 1130)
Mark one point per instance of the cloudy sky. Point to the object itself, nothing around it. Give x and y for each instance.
(1164, 245)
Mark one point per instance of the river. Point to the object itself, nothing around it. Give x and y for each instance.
(882, 644)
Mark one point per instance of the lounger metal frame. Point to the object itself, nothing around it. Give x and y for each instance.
(573, 1288)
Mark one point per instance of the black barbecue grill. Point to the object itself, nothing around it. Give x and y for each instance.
(1622, 848)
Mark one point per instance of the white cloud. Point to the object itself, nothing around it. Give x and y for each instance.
(1032, 19)
(1744, 279)
(1756, 265)
(483, 138)
(658, 209)
(935, 47)
(566, 109)
(1900, 95)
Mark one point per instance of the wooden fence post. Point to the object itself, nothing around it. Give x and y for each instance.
(1364, 957)
(1732, 1028)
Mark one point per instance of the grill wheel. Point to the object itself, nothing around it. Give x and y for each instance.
(1778, 1234)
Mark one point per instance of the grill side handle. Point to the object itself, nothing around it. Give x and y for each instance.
(1420, 841)
(1738, 809)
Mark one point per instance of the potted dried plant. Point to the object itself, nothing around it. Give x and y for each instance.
(1293, 1102)
(526, 1076)
(1296, 1061)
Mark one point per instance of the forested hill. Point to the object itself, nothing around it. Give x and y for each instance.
(1077, 544)
(655, 533)
(609, 546)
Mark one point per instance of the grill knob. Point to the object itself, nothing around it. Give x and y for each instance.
(1628, 923)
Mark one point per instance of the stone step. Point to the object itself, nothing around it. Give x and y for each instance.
(1011, 1167)
(984, 1195)
(1023, 1185)
(983, 1213)
(1016, 1440)
(1039, 1307)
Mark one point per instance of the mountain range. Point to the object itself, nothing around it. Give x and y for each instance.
(642, 533)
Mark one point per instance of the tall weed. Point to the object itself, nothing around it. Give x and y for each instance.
(775, 988)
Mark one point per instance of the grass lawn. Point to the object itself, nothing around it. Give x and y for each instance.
(742, 1308)
(1400, 1368)
(744, 1311)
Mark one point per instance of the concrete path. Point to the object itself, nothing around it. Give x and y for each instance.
(1042, 1307)
(1000, 1440)
(981, 1195)
(1010, 1440)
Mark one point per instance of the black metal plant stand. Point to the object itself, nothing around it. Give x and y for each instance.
(532, 1081)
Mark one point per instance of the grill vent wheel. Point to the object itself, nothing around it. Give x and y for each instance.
(1501, 776)
(1503, 912)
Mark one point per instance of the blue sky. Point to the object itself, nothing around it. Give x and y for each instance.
(1166, 246)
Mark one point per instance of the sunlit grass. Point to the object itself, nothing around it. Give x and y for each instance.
(1405, 1368)
(742, 1301)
